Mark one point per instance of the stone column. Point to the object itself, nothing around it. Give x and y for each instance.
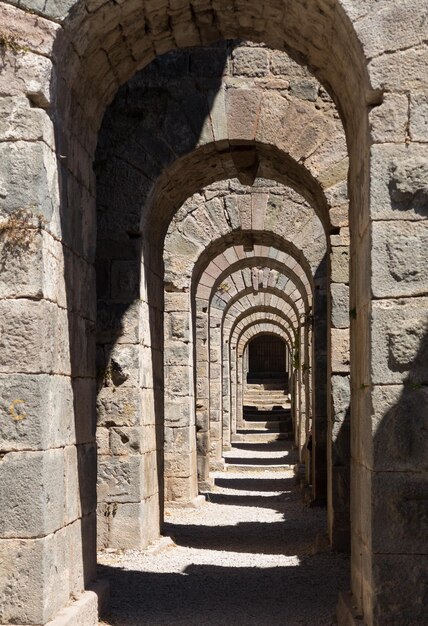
(339, 405)
(389, 453)
(47, 365)
(202, 395)
(226, 383)
(180, 432)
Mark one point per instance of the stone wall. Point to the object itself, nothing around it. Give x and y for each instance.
(61, 65)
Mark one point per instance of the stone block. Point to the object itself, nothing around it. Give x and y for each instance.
(250, 62)
(103, 441)
(82, 346)
(388, 121)
(339, 216)
(126, 528)
(242, 128)
(27, 180)
(399, 188)
(83, 612)
(118, 406)
(180, 441)
(403, 70)
(178, 411)
(399, 421)
(215, 211)
(36, 411)
(282, 65)
(181, 489)
(126, 440)
(178, 325)
(87, 472)
(25, 73)
(341, 397)
(42, 587)
(33, 497)
(125, 280)
(151, 410)
(120, 479)
(419, 117)
(85, 415)
(340, 264)
(399, 259)
(118, 322)
(177, 302)
(305, 89)
(35, 336)
(340, 359)
(400, 512)
(399, 335)
(389, 606)
(28, 30)
(340, 305)
(178, 381)
(176, 353)
(217, 106)
(124, 365)
(150, 474)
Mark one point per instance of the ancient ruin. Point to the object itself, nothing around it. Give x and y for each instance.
(213, 261)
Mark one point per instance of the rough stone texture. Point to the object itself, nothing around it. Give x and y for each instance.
(70, 60)
(237, 549)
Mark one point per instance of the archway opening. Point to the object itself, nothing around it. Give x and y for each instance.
(267, 359)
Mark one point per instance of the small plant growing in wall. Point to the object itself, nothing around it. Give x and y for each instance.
(296, 356)
(223, 288)
(9, 43)
(17, 232)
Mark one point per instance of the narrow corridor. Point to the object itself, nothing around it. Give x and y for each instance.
(251, 555)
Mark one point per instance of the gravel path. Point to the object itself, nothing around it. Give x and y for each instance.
(251, 555)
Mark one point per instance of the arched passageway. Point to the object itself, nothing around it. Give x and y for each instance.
(267, 358)
(178, 178)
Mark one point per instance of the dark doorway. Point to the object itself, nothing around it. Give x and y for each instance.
(266, 358)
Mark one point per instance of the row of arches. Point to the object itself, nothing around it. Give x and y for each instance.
(220, 168)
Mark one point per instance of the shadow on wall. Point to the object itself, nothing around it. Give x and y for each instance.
(160, 118)
(400, 485)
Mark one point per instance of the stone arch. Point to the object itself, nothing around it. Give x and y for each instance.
(343, 63)
(209, 349)
(252, 329)
(254, 311)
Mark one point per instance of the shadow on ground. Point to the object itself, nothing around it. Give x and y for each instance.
(206, 594)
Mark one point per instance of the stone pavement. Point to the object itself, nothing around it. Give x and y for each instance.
(251, 555)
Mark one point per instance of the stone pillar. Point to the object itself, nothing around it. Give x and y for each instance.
(215, 380)
(389, 458)
(233, 374)
(240, 369)
(226, 383)
(130, 377)
(202, 395)
(339, 406)
(180, 433)
(47, 366)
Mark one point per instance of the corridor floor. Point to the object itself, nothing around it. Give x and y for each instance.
(253, 554)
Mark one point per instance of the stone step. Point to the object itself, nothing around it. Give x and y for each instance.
(265, 399)
(266, 408)
(257, 437)
(272, 425)
(267, 393)
(263, 383)
(230, 467)
(266, 388)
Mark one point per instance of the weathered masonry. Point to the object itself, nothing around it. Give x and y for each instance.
(178, 179)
